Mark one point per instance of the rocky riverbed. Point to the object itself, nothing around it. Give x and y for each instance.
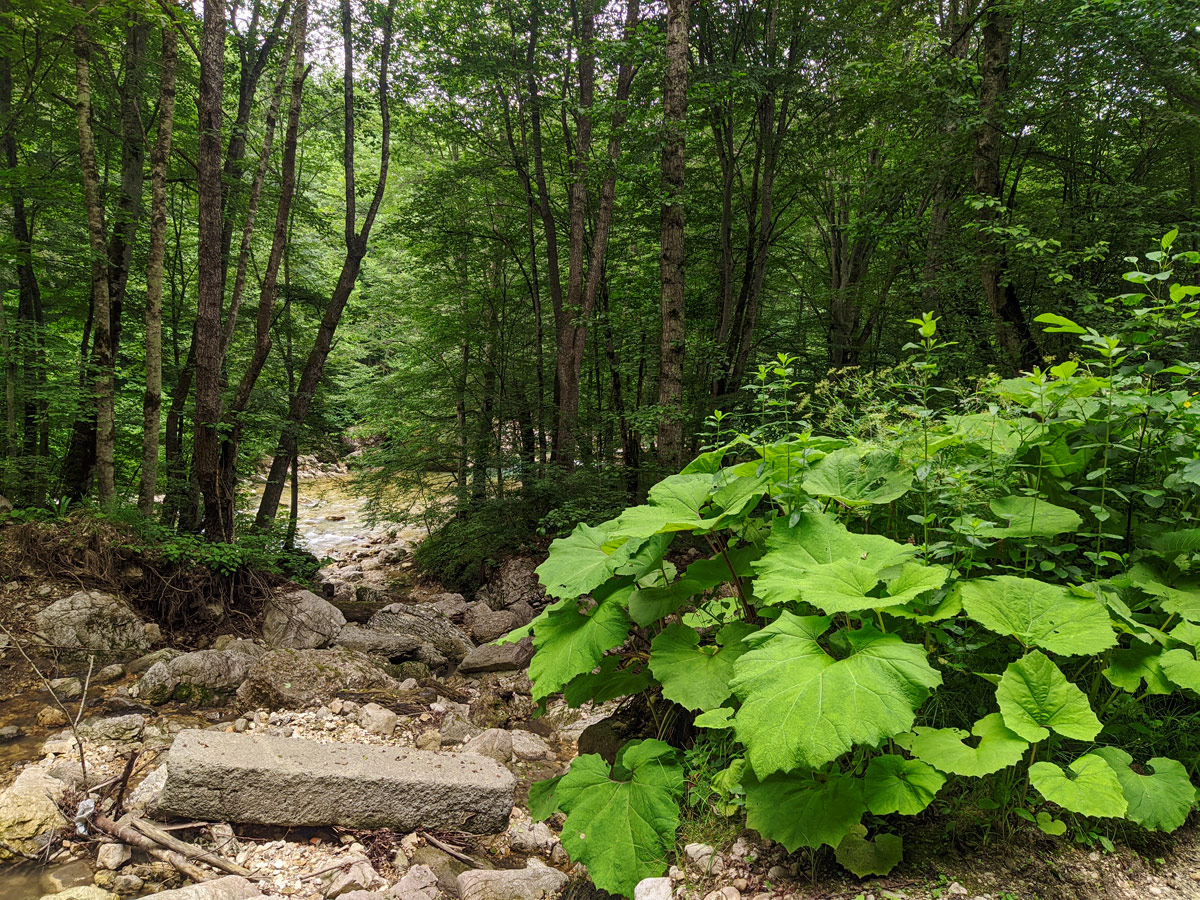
(366, 742)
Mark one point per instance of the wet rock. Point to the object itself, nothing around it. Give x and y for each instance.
(10, 733)
(495, 743)
(230, 887)
(294, 679)
(28, 810)
(93, 620)
(498, 657)
(295, 782)
(76, 873)
(536, 880)
(200, 678)
(300, 620)
(653, 889)
(377, 720)
(428, 625)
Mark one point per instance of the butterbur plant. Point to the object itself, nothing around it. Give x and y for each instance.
(1059, 593)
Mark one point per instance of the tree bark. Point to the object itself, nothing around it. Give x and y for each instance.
(671, 347)
(159, 156)
(356, 249)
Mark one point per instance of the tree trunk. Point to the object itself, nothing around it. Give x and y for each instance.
(356, 249)
(159, 155)
(102, 339)
(671, 348)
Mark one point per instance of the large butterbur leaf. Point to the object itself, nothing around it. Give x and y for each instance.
(1035, 698)
(804, 809)
(582, 561)
(1088, 786)
(622, 823)
(802, 706)
(570, 641)
(946, 749)
(675, 504)
(894, 784)
(862, 857)
(1039, 614)
(1031, 517)
(859, 476)
(818, 543)
(1129, 668)
(1181, 667)
(696, 676)
(1160, 801)
(609, 681)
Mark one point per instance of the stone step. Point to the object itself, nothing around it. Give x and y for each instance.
(267, 780)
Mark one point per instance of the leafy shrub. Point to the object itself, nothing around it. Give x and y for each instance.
(996, 597)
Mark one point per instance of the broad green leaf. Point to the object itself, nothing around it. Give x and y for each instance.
(580, 562)
(569, 642)
(607, 683)
(1181, 597)
(709, 573)
(1128, 668)
(543, 798)
(675, 505)
(894, 784)
(859, 476)
(1181, 667)
(1088, 786)
(802, 706)
(1159, 802)
(648, 605)
(1039, 614)
(861, 857)
(621, 824)
(913, 580)
(1173, 543)
(849, 585)
(804, 809)
(1047, 824)
(695, 676)
(1031, 517)
(715, 718)
(944, 748)
(642, 557)
(1035, 698)
(1059, 324)
(817, 540)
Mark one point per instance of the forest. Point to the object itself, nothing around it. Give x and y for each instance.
(835, 364)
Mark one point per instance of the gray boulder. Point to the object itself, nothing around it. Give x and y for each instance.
(427, 624)
(515, 582)
(28, 811)
(486, 624)
(202, 677)
(230, 887)
(93, 620)
(114, 729)
(535, 881)
(257, 779)
(498, 657)
(300, 620)
(452, 606)
(294, 679)
(391, 645)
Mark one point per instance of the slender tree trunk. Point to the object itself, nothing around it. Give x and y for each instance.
(102, 339)
(671, 348)
(356, 249)
(159, 155)
(207, 342)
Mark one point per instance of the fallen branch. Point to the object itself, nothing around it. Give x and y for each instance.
(447, 848)
(191, 851)
(136, 839)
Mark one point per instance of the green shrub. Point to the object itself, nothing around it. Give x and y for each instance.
(995, 600)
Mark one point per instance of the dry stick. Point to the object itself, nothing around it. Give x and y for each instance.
(191, 851)
(446, 848)
(137, 839)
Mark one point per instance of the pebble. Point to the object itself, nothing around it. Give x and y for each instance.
(728, 892)
(51, 717)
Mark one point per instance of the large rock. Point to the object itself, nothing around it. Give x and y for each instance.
(394, 647)
(294, 679)
(93, 620)
(516, 582)
(498, 657)
(264, 780)
(83, 892)
(427, 624)
(486, 624)
(535, 881)
(230, 887)
(28, 811)
(300, 620)
(201, 677)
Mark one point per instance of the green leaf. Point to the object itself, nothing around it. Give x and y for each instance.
(943, 748)
(1047, 824)
(621, 824)
(693, 676)
(913, 580)
(1039, 614)
(1031, 517)
(811, 545)
(1088, 786)
(894, 784)
(1128, 668)
(608, 682)
(1159, 802)
(804, 809)
(859, 476)
(802, 706)
(648, 605)
(580, 562)
(715, 718)
(1174, 543)
(1056, 324)
(861, 857)
(1181, 667)
(1036, 698)
(543, 798)
(674, 505)
(709, 573)
(569, 642)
